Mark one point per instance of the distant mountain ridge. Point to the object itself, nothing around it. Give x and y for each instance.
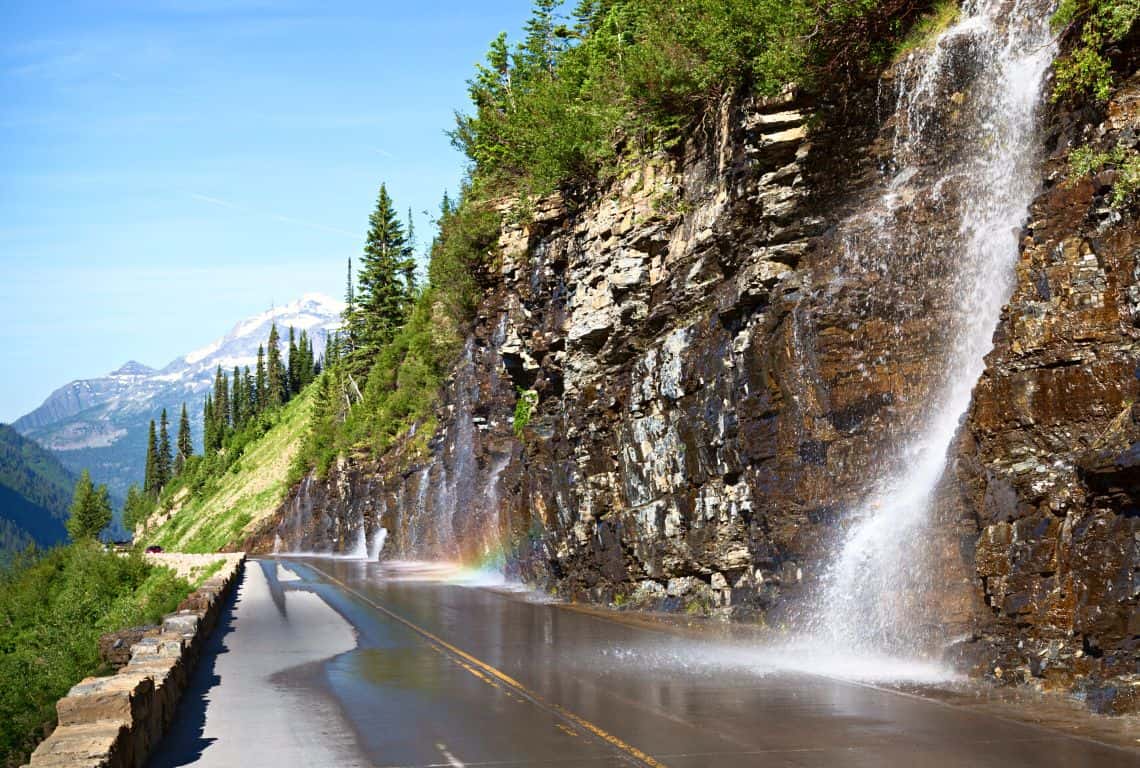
(35, 492)
(101, 423)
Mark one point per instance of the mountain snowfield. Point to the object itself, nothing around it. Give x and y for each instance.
(101, 423)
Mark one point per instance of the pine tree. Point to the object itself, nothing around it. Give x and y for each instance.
(152, 480)
(410, 266)
(136, 508)
(221, 407)
(250, 394)
(538, 55)
(348, 316)
(332, 350)
(237, 397)
(208, 437)
(164, 462)
(293, 374)
(261, 384)
(90, 509)
(383, 296)
(275, 375)
(185, 445)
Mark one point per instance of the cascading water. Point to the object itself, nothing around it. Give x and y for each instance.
(979, 166)
(377, 545)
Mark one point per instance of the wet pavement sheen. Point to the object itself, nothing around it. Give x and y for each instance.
(447, 675)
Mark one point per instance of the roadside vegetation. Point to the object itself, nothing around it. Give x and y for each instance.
(54, 605)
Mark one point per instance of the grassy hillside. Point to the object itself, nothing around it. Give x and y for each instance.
(35, 491)
(230, 506)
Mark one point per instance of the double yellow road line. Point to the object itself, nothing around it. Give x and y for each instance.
(486, 672)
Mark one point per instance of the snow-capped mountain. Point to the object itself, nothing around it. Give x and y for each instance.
(101, 423)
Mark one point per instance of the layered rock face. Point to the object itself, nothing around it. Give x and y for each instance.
(1049, 461)
(724, 355)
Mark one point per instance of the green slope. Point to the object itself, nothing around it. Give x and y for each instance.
(231, 506)
(35, 491)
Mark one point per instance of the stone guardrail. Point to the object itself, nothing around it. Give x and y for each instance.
(116, 721)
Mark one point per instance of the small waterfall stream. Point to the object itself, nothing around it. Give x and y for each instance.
(977, 164)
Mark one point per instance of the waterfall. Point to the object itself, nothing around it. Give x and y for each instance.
(966, 146)
(377, 546)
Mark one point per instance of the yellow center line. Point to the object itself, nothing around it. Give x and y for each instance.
(502, 677)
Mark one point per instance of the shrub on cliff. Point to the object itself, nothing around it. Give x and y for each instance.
(1094, 27)
(622, 75)
(405, 373)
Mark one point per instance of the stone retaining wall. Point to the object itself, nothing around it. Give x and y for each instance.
(115, 721)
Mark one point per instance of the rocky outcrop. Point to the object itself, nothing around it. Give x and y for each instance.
(1049, 460)
(726, 350)
(116, 721)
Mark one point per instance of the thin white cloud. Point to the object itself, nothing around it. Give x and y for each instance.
(219, 202)
(213, 201)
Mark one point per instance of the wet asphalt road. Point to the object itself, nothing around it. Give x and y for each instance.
(447, 675)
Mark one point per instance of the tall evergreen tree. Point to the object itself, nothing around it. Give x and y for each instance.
(90, 509)
(136, 508)
(275, 373)
(185, 444)
(250, 394)
(152, 480)
(306, 369)
(221, 406)
(210, 440)
(348, 316)
(164, 463)
(543, 40)
(293, 374)
(410, 266)
(261, 384)
(332, 345)
(383, 297)
(237, 398)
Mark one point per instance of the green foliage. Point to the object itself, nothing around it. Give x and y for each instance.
(616, 78)
(465, 248)
(185, 445)
(164, 462)
(1124, 160)
(34, 473)
(634, 75)
(53, 608)
(35, 492)
(90, 510)
(527, 402)
(369, 401)
(385, 286)
(201, 574)
(1095, 26)
(929, 26)
(218, 495)
(136, 508)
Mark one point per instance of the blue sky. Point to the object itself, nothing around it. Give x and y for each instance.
(168, 167)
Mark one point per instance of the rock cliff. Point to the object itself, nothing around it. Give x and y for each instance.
(722, 353)
(1049, 458)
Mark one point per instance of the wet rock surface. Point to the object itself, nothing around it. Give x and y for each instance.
(1049, 460)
